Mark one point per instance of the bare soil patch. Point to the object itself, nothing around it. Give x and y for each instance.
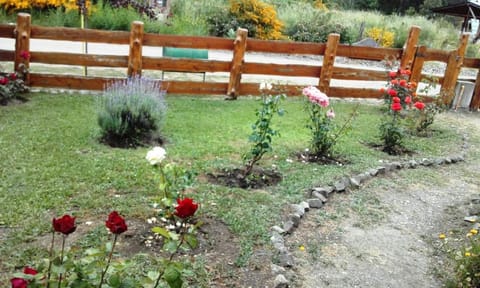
(258, 178)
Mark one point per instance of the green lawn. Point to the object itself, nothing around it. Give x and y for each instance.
(52, 163)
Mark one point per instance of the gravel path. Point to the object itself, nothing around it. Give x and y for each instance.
(386, 234)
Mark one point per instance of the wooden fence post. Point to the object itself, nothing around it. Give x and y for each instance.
(417, 66)
(240, 45)
(475, 104)
(328, 61)
(454, 64)
(409, 49)
(22, 46)
(135, 54)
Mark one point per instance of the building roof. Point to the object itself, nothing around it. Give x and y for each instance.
(461, 8)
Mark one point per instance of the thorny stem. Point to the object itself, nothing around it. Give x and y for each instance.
(108, 261)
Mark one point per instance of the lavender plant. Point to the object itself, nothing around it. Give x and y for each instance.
(131, 112)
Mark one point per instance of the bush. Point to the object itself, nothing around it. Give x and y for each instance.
(131, 112)
(382, 36)
(259, 18)
(318, 27)
(11, 87)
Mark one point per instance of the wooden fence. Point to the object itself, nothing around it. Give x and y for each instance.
(412, 57)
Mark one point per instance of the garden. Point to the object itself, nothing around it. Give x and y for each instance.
(133, 187)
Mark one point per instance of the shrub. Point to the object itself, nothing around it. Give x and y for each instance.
(131, 112)
(317, 28)
(258, 17)
(40, 4)
(382, 36)
(11, 87)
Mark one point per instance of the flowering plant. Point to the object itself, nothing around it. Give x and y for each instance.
(400, 98)
(325, 133)
(95, 268)
(263, 132)
(13, 84)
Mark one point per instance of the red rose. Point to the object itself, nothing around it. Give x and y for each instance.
(3, 80)
(396, 106)
(13, 76)
(408, 100)
(405, 72)
(396, 100)
(392, 92)
(115, 223)
(392, 74)
(19, 283)
(419, 105)
(394, 82)
(185, 208)
(64, 225)
(25, 55)
(403, 83)
(29, 271)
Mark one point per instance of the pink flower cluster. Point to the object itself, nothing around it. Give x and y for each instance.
(315, 96)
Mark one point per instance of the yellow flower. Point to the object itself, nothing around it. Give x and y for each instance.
(468, 254)
(474, 231)
(469, 234)
(442, 236)
(301, 248)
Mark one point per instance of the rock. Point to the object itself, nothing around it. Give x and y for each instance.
(315, 203)
(285, 259)
(278, 229)
(298, 209)
(412, 164)
(381, 170)
(277, 269)
(280, 282)
(288, 226)
(341, 185)
(305, 205)
(448, 160)
(471, 219)
(355, 182)
(367, 42)
(427, 162)
(396, 165)
(295, 218)
(326, 191)
(319, 196)
(373, 172)
(439, 161)
(277, 241)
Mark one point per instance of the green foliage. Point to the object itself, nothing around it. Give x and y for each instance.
(466, 257)
(130, 112)
(263, 132)
(106, 17)
(259, 18)
(12, 87)
(391, 133)
(318, 27)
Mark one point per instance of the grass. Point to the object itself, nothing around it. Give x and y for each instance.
(52, 163)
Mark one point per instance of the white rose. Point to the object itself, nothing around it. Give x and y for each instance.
(156, 155)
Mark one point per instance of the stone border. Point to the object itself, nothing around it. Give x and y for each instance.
(317, 197)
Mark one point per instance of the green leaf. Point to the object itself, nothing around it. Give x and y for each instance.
(173, 277)
(191, 240)
(153, 275)
(161, 231)
(114, 281)
(170, 246)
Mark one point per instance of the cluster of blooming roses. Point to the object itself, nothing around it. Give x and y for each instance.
(116, 225)
(400, 92)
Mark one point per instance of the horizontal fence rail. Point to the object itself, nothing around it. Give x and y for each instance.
(412, 57)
